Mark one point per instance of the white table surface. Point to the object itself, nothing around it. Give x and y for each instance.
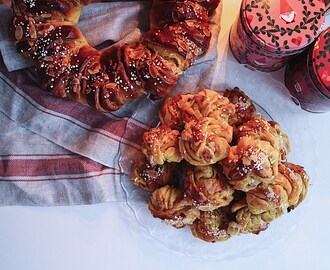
(100, 236)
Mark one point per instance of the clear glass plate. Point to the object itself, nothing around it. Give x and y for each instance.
(272, 101)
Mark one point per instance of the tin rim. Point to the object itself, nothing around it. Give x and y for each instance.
(315, 52)
(266, 46)
(315, 76)
(277, 47)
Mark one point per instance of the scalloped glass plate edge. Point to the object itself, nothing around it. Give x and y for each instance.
(180, 240)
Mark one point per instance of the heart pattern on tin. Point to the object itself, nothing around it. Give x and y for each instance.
(249, 18)
(296, 41)
(326, 76)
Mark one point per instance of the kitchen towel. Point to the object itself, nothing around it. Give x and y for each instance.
(54, 151)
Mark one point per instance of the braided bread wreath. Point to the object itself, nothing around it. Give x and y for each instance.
(70, 68)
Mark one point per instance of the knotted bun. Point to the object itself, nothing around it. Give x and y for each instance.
(170, 204)
(232, 175)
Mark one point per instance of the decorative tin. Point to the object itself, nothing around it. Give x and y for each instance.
(327, 7)
(268, 33)
(307, 77)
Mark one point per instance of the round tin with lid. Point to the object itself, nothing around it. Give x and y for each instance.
(270, 32)
(319, 63)
(307, 77)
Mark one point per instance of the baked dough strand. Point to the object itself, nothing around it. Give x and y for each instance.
(69, 67)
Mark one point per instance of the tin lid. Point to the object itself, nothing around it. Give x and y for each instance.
(320, 63)
(283, 25)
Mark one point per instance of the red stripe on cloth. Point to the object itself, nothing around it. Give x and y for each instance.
(117, 127)
(59, 178)
(66, 107)
(134, 134)
(62, 108)
(126, 131)
(37, 155)
(50, 167)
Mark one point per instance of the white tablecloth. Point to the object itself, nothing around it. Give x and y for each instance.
(106, 236)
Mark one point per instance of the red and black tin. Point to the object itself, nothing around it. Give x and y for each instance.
(307, 77)
(268, 33)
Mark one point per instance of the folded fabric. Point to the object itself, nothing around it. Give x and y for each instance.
(58, 152)
(35, 171)
(99, 22)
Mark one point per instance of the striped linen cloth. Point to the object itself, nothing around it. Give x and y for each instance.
(56, 152)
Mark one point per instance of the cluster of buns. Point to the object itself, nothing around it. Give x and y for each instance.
(69, 67)
(215, 164)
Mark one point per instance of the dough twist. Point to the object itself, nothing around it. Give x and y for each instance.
(207, 187)
(69, 67)
(150, 177)
(251, 162)
(170, 204)
(205, 141)
(212, 226)
(160, 145)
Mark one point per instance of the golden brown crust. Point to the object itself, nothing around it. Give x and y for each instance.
(244, 107)
(181, 42)
(171, 112)
(205, 141)
(240, 193)
(160, 145)
(50, 11)
(209, 5)
(170, 205)
(258, 128)
(249, 163)
(211, 226)
(183, 108)
(284, 141)
(208, 187)
(246, 222)
(209, 103)
(268, 201)
(266, 197)
(150, 177)
(46, 32)
(146, 67)
(175, 11)
(118, 69)
(295, 180)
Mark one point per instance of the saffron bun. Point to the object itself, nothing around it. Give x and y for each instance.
(230, 176)
(46, 31)
(170, 205)
(150, 177)
(208, 187)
